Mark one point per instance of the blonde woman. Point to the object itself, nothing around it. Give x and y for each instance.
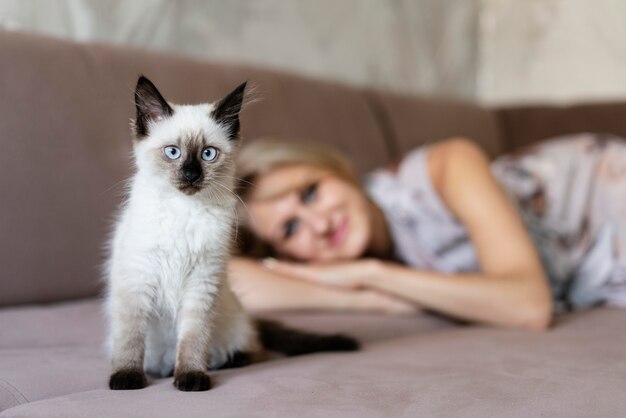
(504, 243)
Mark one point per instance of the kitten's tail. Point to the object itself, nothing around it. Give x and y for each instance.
(275, 336)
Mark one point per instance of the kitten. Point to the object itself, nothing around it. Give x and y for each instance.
(170, 307)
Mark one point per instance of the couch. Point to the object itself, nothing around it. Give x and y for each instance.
(64, 130)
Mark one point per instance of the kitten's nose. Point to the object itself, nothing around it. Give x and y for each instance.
(191, 175)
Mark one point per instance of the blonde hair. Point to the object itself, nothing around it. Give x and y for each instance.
(261, 156)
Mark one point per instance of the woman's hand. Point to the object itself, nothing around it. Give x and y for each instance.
(261, 288)
(348, 274)
(351, 278)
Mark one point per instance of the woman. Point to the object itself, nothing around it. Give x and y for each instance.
(504, 243)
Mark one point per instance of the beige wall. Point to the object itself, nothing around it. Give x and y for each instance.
(399, 45)
(494, 51)
(552, 50)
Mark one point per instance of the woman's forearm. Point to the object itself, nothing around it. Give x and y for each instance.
(259, 289)
(507, 301)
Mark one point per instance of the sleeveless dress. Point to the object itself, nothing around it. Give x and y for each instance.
(570, 193)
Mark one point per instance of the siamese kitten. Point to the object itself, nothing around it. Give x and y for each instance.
(170, 307)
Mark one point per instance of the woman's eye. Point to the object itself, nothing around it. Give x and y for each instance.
(291, 227)
(209, 153)
(172, 152)
(308, 194)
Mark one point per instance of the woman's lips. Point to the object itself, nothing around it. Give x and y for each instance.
(340, 233)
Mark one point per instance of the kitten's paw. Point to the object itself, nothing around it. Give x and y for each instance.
(193, 381)
(126, 379)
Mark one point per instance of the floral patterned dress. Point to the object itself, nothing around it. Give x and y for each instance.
(570, 192)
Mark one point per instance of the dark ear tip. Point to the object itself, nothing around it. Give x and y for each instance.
(143, 81)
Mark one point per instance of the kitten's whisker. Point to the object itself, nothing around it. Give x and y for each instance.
(114, 185)
(217, 183)
(238, 179)
(237, 196)
(212, 195)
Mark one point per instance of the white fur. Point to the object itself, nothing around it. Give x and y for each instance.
(168, 255)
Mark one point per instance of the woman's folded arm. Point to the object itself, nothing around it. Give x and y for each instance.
(260, 288)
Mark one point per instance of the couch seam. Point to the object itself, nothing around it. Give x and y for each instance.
(507, 143)
(13, 391)
(384, 124)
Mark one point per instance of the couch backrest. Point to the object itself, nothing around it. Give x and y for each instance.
(411, 121)
(64, 130)
(524, 125)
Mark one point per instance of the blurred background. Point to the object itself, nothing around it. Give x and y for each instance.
(494, 52)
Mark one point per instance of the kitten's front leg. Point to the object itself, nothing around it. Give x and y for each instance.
(194, 336)
(129, 322)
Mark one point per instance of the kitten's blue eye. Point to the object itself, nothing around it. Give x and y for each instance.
(209, 154)
(171, 152)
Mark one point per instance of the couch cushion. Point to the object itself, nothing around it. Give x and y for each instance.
(53, 350)
(65, 138)
(77, 323)
(28, 375)
(528, 124)
(60, 155)
(411, 121)
(365, 327)
(575, 370)
(81, 323)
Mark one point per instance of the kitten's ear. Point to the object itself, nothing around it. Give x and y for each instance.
(150, 106)
(226, 112)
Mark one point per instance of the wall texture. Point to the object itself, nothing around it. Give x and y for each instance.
(399, 45)
(552, 50)
(494, 51)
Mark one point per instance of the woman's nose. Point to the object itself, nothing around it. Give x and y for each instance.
(318, 222)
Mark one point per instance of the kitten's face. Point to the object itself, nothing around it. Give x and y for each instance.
(188, 148)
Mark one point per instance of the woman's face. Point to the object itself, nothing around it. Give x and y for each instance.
(310, 214)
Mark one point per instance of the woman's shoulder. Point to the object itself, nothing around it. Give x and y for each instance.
(424, 169)
(429, 161)
(419, 175)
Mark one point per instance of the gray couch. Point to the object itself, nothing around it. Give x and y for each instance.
(64, 112)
